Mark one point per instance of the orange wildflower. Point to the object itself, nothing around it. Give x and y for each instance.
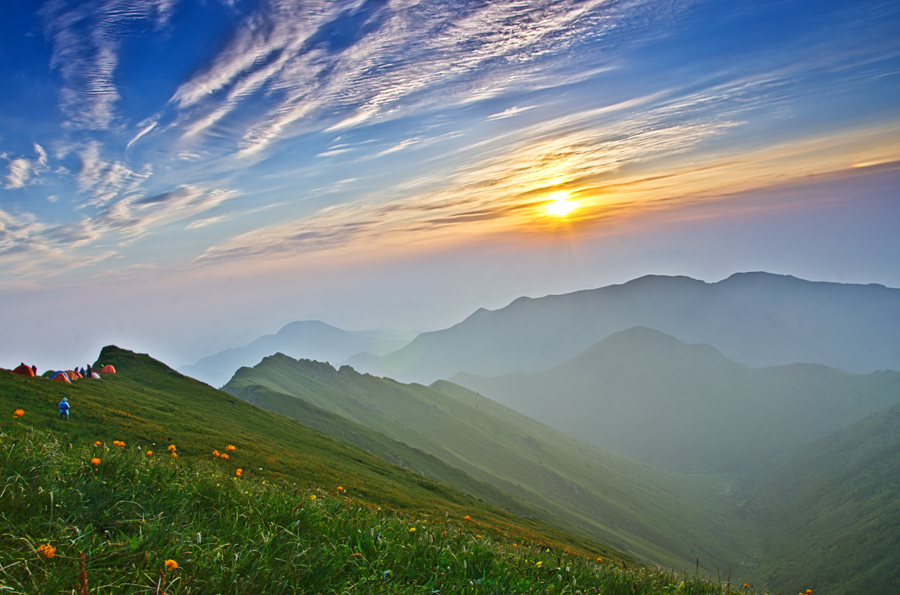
(238, 472)
(95, 461)
(172, 447)
(467, 518)
(174, 455)
(46, 550)
(224, 455)
(149, 453)
(215, 453)
(230, 448)
(118, 443)
(98, 443)
(18, 413)
(171, 565)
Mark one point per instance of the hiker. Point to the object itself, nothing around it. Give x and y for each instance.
(34, 369)
(64, 409)
(90, 373)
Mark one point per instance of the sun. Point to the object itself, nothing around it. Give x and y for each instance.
(559, 205)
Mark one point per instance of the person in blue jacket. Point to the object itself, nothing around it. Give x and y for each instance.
(64, 409)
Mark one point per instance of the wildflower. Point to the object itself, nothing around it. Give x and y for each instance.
(215, 453)
(467, 518)
(171, 565)
(229, 448)
(95, 461)
(312, 497)
(98, 443)
(412, 529)
(599, 560)
(118, 443)
(149, 453)
(224, 455)
(174, 455)
(171, 448)
(746, 586)
(478, 537)
(340, 488)
(18, 413)
(809, 592)
(238, 472)
(539, 564)
(46, 550)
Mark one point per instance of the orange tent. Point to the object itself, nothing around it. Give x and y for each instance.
(61, 377)
(73, 375)
(108, 369)
(24, 370)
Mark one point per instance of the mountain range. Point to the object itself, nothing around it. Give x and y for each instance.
(757, 319)
(686, 407)
(302, 339)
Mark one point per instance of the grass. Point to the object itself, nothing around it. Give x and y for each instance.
(658, 516)
(148, 404)
(122, 526)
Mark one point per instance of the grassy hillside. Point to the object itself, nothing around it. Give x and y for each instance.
(656, 515)
(127, 523)
(829, 514)
(687, 407)
(149, 405)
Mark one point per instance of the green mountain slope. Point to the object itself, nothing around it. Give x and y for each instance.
(829, 514)
(687, 407)
(656, 515)
(148, 404)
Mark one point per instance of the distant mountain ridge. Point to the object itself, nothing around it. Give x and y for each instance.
(757, 319)
(303, 339)
(687, 407)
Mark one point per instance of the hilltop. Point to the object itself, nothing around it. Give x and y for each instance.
(147, 403)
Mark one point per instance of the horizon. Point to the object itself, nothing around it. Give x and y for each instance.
(177, 176)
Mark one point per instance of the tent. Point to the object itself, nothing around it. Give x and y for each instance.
(61, 377)
(95, 375)
(73, 375)
(108, 369)
(23, 370)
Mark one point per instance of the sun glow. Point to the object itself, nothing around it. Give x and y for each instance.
(559, 204)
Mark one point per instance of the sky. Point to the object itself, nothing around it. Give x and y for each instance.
(182, 176)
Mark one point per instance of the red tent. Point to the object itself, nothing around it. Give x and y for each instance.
(61, 377)
(108, 369)
(24, 370)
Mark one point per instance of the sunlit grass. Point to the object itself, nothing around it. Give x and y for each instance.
(133, 524)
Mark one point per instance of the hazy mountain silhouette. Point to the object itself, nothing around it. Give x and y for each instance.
(311, 339)
(758, 319)
(648, 395)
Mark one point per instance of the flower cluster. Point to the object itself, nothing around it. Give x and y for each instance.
(46, 550)
(118, 443)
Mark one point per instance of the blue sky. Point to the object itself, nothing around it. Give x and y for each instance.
(177, 176)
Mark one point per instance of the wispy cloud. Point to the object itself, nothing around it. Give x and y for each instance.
(85, 37)
(23, 171)
(353, 64)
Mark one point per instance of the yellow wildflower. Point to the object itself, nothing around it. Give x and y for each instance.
(412, 529)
